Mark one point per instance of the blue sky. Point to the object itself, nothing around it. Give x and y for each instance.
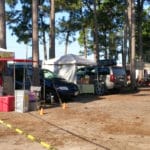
(22, 51)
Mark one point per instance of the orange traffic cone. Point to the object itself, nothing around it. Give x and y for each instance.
(41, 111)
(64, 106)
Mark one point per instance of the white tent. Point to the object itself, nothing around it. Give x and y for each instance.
(66, 66)
(74, 59)
(50, 64)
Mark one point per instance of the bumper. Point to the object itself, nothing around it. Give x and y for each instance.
(68, 93)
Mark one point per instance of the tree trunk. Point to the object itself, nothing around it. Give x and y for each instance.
(44, 46)
(85, 43)
(125, 55)
(131, 17)
(3, 31)
(124, 52)
(140, 43)
(43, 39)
(67, 41)
(139, 12)
(52, 30)
(35, 43)
(2, 25)
(96, 48)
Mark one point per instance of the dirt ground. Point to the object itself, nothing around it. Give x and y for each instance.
(110, 122)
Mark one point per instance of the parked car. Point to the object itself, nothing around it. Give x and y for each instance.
(114, 77)
(106, 77)
(51, 84)
(57, 86)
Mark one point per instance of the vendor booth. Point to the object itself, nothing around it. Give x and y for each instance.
(10, 98)
(7, 100)
(66, 66)
(6, 85)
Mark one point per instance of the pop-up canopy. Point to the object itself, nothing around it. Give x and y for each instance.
(66, 66)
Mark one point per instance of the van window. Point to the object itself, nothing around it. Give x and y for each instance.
(119, 71)
(104, 71)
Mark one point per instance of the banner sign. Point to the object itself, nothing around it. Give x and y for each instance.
(6, 54)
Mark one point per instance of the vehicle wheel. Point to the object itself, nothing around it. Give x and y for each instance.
(99, 89)
(50, 98)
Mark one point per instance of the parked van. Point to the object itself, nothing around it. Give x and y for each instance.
(108, 77)
(114, 77)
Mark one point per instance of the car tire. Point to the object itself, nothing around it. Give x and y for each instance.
(50, 98)
(99, 88)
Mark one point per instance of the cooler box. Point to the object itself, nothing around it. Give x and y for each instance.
(7, 103)
(21, 101)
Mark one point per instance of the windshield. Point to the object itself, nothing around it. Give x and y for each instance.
(48, 74)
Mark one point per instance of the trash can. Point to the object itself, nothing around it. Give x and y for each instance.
(21, 101)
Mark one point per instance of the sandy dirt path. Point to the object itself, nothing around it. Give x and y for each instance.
(110, 122)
